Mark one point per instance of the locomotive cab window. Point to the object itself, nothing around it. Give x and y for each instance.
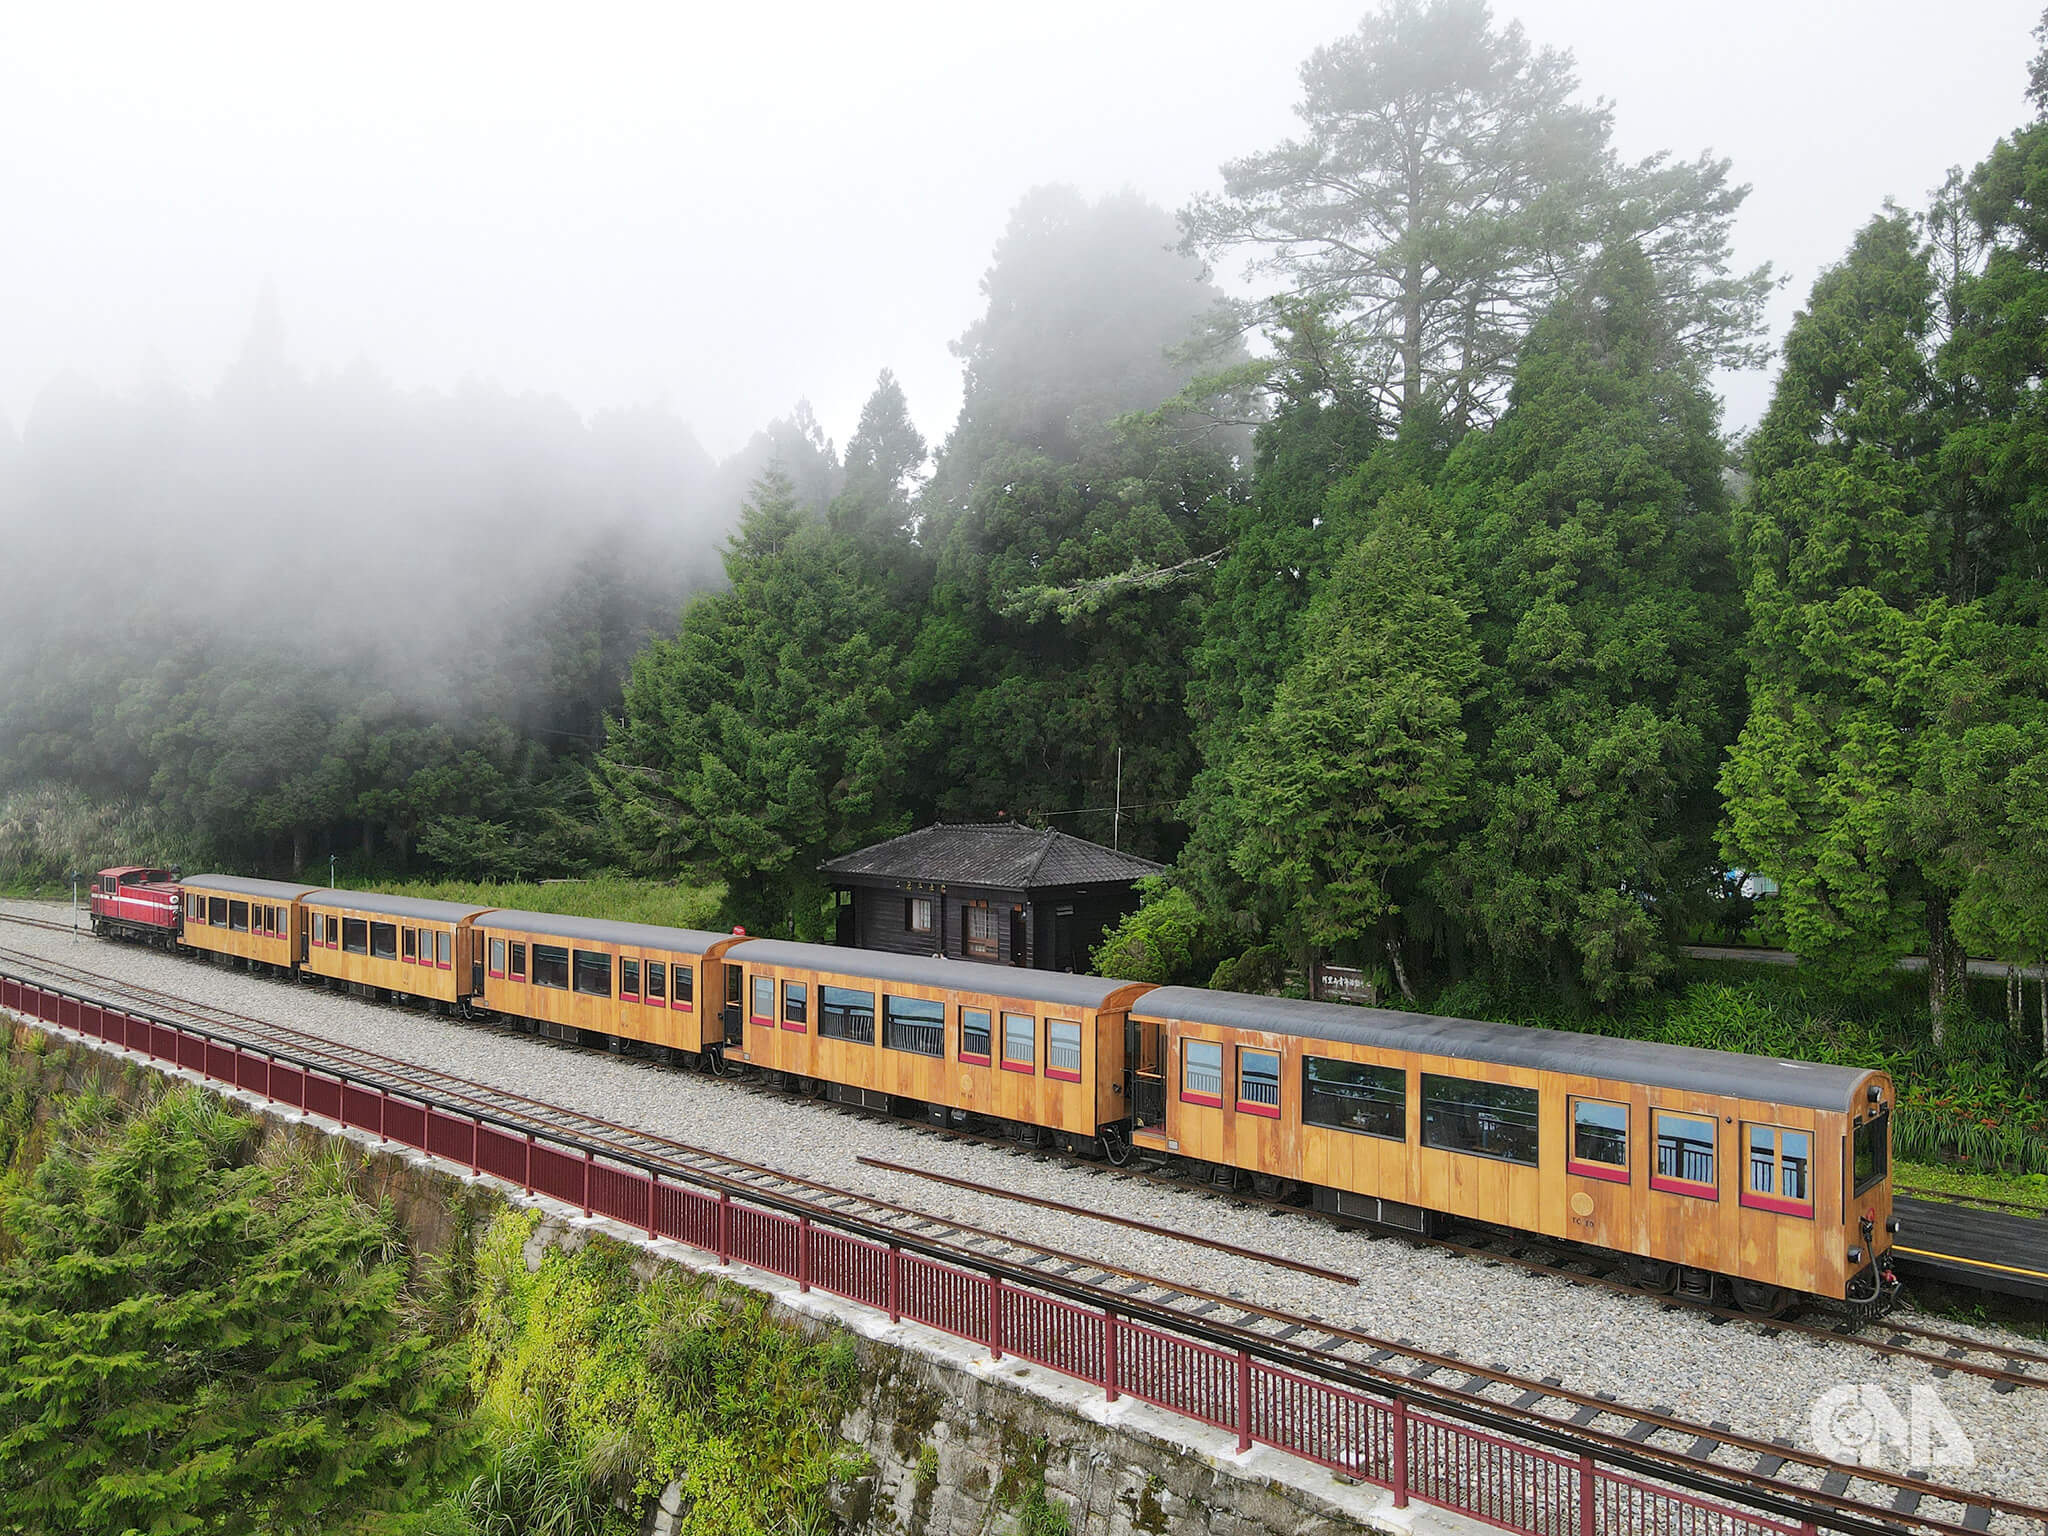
(974, 1035)
(761, 1002)
(1685, 1155)
(551, 966)
(629, 978)
(1778, 1169)
(796, 1005)
(594, 972)
(914, 1024)
(1258, 1082)
(1355, 1096)
(1201, 1072)
(1063, 1049)
(1462, 1114)
(1872, 1147)
(1599, 1140)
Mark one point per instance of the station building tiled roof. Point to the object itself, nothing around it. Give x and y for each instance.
(997, 855)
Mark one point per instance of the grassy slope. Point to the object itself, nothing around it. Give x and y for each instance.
(606, 896)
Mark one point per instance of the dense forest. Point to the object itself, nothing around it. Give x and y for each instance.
(1421, 612)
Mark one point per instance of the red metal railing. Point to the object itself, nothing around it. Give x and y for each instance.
(1375, 1438)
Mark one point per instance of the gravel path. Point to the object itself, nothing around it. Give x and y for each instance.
(1592, 1340)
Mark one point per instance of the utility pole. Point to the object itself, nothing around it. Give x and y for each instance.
(74, 903)
(1116, 819)
(330, 872)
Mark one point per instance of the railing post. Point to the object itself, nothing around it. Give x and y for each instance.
(476, 1136)
(1586, 1504)
(527, 1179)
(1244, 1402)
(803, 1253)
(650, 1207)
(1399, 1453)
(383, 1103)
(895, 1302)
(995, 1317)
(724, 1233)
(1110, 1391)
(269, 1074)
(586, 1181)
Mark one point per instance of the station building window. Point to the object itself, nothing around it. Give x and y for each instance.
(1020, 1043)
(594, 972)
(980, 935)
(914, 1024)
(1355, 1096)
(917, 914)
(796, 1005)
(1201, 1072)
(1778, 1173)
(1599, 1140)
(1258, 1082)
(974, 1035)
(1063, 1050)
(1462, 1114)
(551, 966)
(846, 1014)
(1685, 1155)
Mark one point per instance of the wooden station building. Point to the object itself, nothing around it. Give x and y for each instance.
(995, 892)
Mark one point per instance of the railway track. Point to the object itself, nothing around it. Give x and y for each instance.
(1713, 1449)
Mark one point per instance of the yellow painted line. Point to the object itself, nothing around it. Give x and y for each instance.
(1977, 1263)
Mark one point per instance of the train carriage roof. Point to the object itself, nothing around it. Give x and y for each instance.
(1056, 987)
(235, 885)
(417, 908)
(596, 930)
(1683, 1067)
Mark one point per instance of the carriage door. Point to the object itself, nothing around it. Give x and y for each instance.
(1144, 1049)
(735, 984)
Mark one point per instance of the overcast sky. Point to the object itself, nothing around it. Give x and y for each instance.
(725, 210)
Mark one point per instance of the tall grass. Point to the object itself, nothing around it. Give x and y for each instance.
(612, 897)
(49, 830)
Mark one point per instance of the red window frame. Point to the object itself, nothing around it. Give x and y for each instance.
(1671, 1184)
(1189, 1096)
(1781, 1205)
(444, 950)
(494, 957)
(803, 1025)
(632, 995)
(682, 978)
(977, 1058)
(1252, 1106)
(1584, 1169)
(754, 986)
(1080, 1046)
(409, 946)
(1011, 1064)
(648, 995)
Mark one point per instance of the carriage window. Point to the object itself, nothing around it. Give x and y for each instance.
(238, 916)
(1777, 1175)
(844, 1014)
(444, 950)
(686, 986)
(762, 1008)
(384, 941)
(917, 914)
(629, 978)
(217, 911)
(550, 966)
(914, 1024)
(1201, 1072)
(1462, 1114)
(1685, 1155)
(1258, 1082)
(981, 932)
(1873, 1143)
(1352, 1096)
(1599, 1140)
(497, 957)
(1063, 1049)
(518, 962)
(411, 946)
(355, 935)
(796, 1004)
(1020, 1042)
(594, 972)
(657, 981)
(195, 909)
(974, 1028)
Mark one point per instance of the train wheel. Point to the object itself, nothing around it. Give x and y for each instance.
(1761, 1300)
(1654, 1275)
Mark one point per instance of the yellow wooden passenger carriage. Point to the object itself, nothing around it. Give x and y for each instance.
(259, 922)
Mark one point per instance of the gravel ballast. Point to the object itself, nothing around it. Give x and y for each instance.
(1592, 1340)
